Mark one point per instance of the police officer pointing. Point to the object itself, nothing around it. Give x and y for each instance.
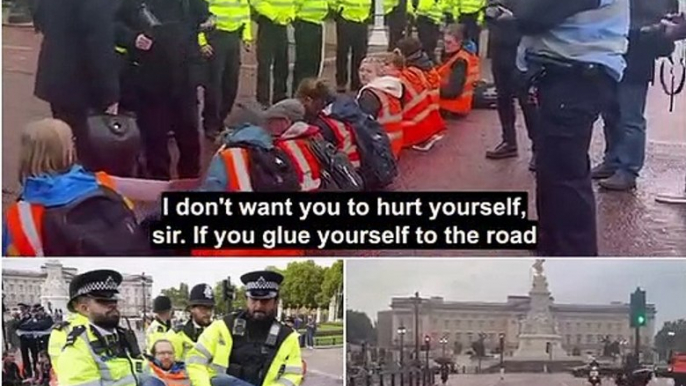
(100, 353)
(201, 305)
(250, 345)
(162, 308)
(58, 336)
(575, 58)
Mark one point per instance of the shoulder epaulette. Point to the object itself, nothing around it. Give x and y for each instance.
(160, 328)
(60, 326)
(178, 328)
(74, 334)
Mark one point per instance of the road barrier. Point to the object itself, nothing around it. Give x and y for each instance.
(407, 377)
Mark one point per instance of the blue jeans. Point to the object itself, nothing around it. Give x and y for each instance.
(625, 129)
(228, 380)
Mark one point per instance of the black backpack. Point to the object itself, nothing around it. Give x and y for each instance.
(98, 224)
(338, 173)
(271, 170)
(378, 165)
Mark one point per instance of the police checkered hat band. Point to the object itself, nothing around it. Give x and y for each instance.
(108, 285)
(262, 285)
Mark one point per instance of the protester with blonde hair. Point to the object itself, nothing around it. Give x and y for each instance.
(64, 210)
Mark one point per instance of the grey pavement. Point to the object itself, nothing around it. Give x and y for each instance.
(324, 366)
(519, 379)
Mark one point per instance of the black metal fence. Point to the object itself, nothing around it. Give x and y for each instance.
(408, 377)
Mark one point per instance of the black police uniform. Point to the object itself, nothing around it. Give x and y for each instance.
(248, 360)
(166, 96)
(77, 65)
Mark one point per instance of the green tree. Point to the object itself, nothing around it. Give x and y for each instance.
(332, 284)
(179, 296)
(672, 337)
(359, 327)
(302, 283)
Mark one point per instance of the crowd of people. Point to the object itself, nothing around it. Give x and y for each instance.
(566, 70)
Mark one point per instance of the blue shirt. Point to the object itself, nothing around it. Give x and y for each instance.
(597, 36)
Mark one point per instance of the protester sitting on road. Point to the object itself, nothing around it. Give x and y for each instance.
(43, 369)
(166, 370)
(11, 375)
(53, 216)
(415, 57)
(381, 97)
(459, 72)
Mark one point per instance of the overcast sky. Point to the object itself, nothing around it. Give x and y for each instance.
(168, 272)
(371, 284)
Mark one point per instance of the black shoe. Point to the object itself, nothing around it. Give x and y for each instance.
(504, 150)
(602, 171)
(532, 164)
(618, 181)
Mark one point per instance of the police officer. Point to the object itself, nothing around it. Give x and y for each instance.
(58, 336)
(309, 39)
(201, 304)
(351, 38)
(253, 345)
(100, 352)
(162, 307)
(574, 56)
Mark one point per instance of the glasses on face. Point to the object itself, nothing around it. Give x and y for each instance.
(164, 353)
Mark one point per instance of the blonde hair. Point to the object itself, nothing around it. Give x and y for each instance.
(395, 59)
(46, 147)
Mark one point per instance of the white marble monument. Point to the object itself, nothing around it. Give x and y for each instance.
(538, 329)
(54, 291)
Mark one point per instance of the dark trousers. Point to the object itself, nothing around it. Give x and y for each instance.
(472, 28)
(222, 86)
(77, 119)
(397, 23)
(272, 49)
(569, 104)
(429, 33)
(156, 118)
(350, 37)
(308, 51)
(505, 76)
(25, 346)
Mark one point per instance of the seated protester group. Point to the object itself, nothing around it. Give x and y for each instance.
(381, 97)
(459, 73)
(64, 210)
(356, 132)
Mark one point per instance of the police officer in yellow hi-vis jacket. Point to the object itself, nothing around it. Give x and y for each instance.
(352, 37)
(58, 336)
(428, 19)
(309, 39)
(162, 307)
(201, 304)
(100, 353)
(470, 13)
(250, 345)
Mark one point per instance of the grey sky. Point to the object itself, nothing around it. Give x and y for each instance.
(370, 284)
(168, 272)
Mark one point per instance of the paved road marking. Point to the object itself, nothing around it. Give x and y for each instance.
(333, 376)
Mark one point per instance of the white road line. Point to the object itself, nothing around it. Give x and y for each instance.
(333, 376)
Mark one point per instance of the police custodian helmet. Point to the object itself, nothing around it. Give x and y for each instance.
(100, 284)
(201, 295)
(262, 284)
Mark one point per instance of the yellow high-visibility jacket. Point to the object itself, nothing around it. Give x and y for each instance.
(58, 336)
(155, 332)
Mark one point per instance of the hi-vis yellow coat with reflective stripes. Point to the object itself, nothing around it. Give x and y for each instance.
(210, 357)
(58, 336)
(79, 365)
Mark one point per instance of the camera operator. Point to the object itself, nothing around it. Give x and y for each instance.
(573, 54)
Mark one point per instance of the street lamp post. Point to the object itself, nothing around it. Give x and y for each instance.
(444, 342)
(502, 348)
(416, 300)
(671, 335)
(427, 343)
(402, 331)
(143, 284)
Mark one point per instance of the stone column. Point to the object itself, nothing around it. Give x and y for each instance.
(54, 290)
(378, 37)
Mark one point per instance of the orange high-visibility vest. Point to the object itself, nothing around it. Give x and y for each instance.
(237, 163)
(434, 80)
(25, 222)
(461, 105)
(170, 379)
(391, 118)
(345, 139)
(305, 162)
(417, 108)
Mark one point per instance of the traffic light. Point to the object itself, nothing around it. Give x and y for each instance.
(637, 312)
(227, 289)
(547, 347)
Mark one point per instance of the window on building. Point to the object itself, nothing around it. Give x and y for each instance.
(589, 338)
(491, 337)
(481, 324)
(469, 324)
(457, 323)
(578, 338)
(600, 326)
(569, 326)
(469, 337)
(569, 339)
(21, 288)
(12, 297)
(588, 326)
(578, 325)
(492, 323)
(446, 324)
(458, 337)
(600, 338)
(609, 327)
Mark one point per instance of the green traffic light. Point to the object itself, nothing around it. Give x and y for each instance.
(641, 320)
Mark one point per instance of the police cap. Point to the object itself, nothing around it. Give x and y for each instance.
(99, 284)
(262, 284)
(201, 295)
(161, 304)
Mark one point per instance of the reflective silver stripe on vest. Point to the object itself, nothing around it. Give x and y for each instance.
(204, 351)
(309, 183)
(386, 116)
(297, 370)
(198, 360)
(285, 382)
(551, 43)
(29, 227)
(106, 378)
(91, 383)
(219, 369)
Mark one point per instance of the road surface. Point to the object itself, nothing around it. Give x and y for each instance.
(324, 366)
(533, 380)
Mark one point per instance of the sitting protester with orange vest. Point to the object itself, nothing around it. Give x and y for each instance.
(459, 73)
(415, 57)
(64, 210)
(381, 97)
(166, 371)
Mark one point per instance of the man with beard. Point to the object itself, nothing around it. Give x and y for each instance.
(162, 307)
(201, 305)
(100, 352)
(249, 345)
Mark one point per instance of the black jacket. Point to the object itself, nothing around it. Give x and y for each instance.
(165, 69)
(77, 65)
